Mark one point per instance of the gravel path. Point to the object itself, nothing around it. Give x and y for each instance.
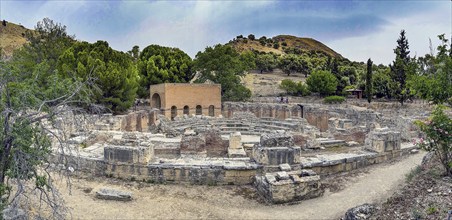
(229, 202)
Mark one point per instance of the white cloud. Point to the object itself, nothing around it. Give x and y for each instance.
(379, 46)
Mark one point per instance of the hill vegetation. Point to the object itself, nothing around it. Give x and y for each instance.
(282, 44)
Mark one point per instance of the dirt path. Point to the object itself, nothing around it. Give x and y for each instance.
(229, 202)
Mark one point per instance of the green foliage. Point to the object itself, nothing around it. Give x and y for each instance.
(438, 129)
(293, 63)
(380, 84)
(266, 62)
(115, 76)
(293, 88)
(369, 81)
(159, 64)
(334, 99)
(322, 81)
(276, 45)
(222, 64)
(251, 37)
(248, 59)
(401, 68)
(284, 44)
(434, 79)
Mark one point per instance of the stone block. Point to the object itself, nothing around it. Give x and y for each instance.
(285, 167)
(383, 140)
(279, 139)
(193, 144)
(235, 141)
(111, 194)
(215, 145)
(128, 155)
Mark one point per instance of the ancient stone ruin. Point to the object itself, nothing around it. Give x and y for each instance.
(282, 149)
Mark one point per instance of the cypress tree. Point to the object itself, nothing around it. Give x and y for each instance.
(369, 81)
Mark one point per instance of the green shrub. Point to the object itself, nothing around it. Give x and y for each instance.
(334, 99)
(294, 88)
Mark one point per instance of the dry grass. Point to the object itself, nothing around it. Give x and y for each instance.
(11, 38)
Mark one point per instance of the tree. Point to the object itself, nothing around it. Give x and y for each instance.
(434, 79)
(380, 84)
(114, 74)
(266, 62)
(293, 63)
(251, 37)
(46, 44)
(222, 64)
(369, 81)
(135, 52)
(400, 68)
(438, 129)
(322, 81)
(158, 64)
(33, 99)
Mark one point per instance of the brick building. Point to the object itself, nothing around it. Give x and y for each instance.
(175, 99)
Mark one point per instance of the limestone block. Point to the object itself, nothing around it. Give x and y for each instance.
(276, 155)
(111, 194)
(193, 144)
(235, 141)
(277, 139)
(383, 140)
(128, 155)
(216, 146)
(285, 167)
(283, 187)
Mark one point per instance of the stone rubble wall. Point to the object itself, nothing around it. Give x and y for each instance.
(283, 187)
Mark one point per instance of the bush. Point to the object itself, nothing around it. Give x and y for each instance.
(284, 44)
(334, 99)
(251, 37)
(276, 45)
(322, 81)
(438, 129)
(293, 88)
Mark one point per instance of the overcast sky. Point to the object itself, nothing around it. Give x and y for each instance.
(356, 29)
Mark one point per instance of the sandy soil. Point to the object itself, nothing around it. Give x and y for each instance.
(374, 184)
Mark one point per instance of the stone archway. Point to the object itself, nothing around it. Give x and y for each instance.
(155, 101)
(212, 111)
(198, 110)
(173, 112)
(186, 110)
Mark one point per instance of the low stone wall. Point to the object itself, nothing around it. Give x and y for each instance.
(283, 187)
(197, 175)
(347, 164)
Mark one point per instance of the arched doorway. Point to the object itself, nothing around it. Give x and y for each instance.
(186, 110)
(198, 110)
(212, 111)
(155, 103)
(173, 112)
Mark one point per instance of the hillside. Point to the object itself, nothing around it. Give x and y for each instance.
(285, 42)
(12, 36)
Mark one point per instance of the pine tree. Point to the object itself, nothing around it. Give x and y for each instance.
(369, 81)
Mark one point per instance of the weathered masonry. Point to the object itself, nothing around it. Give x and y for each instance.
(177, 99)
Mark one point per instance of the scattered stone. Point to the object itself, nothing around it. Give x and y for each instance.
(112, 194)
(285, 167)
(282, 175)
(352, 143)
(360, 212)
(429, 190)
